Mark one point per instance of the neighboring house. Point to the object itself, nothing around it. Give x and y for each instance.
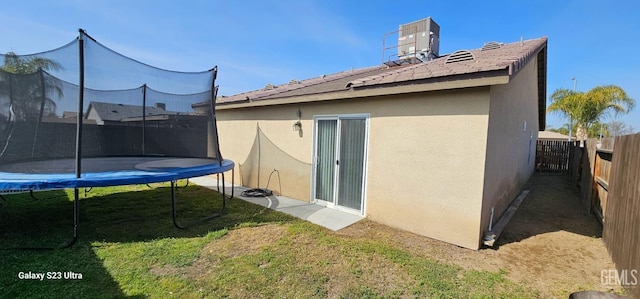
(548, 135)
(165, 132)
(426, 147)
(554, 152)
(69, 114)
(110, 113)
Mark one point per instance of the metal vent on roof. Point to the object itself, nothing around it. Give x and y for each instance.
(491, 46)
(270, 86)
(461, 55)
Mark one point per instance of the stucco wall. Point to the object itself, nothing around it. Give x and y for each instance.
(426, 162)
(263, 139)
(511, 147)
(425, 156)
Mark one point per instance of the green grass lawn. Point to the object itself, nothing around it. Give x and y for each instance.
(128, 247)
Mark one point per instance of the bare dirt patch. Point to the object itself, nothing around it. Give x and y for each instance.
(237, 242)
(551, 244)
(347, 270)
(245, 241)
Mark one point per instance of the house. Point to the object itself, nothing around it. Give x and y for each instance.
(109, 113)
(163, 133)
(548, 135)
(431, 147)
(554, 152)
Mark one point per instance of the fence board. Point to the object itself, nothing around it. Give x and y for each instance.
(621, 230)
(602, 173)
(575, 167)
(554, 155)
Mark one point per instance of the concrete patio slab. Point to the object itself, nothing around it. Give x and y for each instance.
(323, 216)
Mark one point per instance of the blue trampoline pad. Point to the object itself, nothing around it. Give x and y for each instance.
(102, 172)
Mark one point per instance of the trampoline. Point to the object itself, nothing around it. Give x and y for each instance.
(123, 123)
(106, 171)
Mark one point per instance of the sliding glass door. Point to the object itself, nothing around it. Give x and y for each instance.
(340, 155)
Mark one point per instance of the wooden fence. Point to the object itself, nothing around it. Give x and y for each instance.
(621, 232)
(608, 174)
(554, 156)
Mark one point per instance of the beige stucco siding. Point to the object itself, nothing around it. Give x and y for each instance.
(280, 147)
(426, 162)
(510, 146)
(425, 156)
(263, 138)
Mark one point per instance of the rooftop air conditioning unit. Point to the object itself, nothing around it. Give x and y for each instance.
(419, 39)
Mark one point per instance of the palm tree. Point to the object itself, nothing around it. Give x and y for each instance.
(19, 65)
(24, 87)
(587, 108)
(25, 84)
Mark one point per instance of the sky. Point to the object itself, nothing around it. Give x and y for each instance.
(256, 42)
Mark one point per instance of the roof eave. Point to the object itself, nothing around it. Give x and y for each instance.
(432, 84)
(541, 67)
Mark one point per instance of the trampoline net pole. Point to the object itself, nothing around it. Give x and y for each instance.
(212, 107)
(80, 104)
(144, 118)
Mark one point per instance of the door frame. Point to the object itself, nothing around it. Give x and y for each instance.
(333, 205)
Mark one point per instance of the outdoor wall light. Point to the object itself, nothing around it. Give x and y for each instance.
(297, 126)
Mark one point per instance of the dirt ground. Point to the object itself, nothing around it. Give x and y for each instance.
(551, 244)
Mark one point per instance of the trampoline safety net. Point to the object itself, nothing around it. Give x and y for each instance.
(127, 108)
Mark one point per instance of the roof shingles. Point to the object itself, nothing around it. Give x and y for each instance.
(118, 112)
(511, 57)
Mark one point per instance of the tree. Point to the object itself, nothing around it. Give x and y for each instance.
(25, 86)
(587, 108)
(564, 129)
(618, 128)
(29, 65)
(597, 129)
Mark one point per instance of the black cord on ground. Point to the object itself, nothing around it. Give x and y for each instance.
(260, 192)
(257, 192)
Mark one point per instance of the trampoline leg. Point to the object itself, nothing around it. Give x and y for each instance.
(233, 174)
(224, 194)
(76, 220)
(173, 207)
(186, 184)
(76, 216)
(33, 196)
(214, 215)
